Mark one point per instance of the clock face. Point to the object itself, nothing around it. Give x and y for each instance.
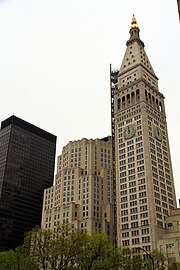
(158, 133)
(129, 131)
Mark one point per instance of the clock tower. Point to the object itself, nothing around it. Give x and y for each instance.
(142, 163)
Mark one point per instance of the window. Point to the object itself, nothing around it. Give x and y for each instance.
(143, 208)
(145, 231)
(142, 194)
(132, 184)
(144, 222)
(124, 205)
(146, 239)
(134, 224)
(131, 171)
(135, 241)
(133, 210)
(133, 203)
(125, 234)
(125, 226)
(124, 212)
(124, 219)
(133, 197)
(125, 242)
(134, 217)
(144, 215)
(135, 233)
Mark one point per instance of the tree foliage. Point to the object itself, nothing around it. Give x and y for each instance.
(68, 249)
(54, 250)
(160, 261)
(97, 253)
(132, 260)
(16, 260)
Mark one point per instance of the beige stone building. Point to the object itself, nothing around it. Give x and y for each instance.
(170, 242)
(82, 192)
(145, 192)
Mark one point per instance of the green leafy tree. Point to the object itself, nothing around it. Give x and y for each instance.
(7, 260)
(132, 260)
(69, 249)
(57, 251)
(37, 244)
(16, 260)
(66, 247)
(160, 260)
(97, 253)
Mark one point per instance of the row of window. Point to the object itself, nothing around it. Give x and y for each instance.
(135, 241)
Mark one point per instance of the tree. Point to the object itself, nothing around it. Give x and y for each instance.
(37, 245)
(160, 261)
(97, 253)
(132, 260)
(16, 260)
(57, 251)
(67, 246)
(68, 249)
(7, 260)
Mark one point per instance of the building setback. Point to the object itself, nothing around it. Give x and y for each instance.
(169, 245)
(144, 180)
(27, 155)
(82, 194)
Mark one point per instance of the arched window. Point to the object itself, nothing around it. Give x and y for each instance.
(149, 98)
(137, 95)
(132, 97)
(160, 107)
(153, 101)
(157, 105)
(146, 95)
(123, 102)
(119, 103)
(128, 99)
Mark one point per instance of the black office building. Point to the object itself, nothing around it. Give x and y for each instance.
(27, 157)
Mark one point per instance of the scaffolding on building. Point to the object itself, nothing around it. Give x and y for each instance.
(113, 87)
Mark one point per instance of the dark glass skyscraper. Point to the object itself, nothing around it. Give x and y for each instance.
(27, 156)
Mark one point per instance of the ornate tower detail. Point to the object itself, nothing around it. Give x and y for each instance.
(144, 179)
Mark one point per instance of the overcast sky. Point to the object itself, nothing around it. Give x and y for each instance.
(55, 56)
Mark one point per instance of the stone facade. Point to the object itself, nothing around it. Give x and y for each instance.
(82, 192)
(170, 242)
(144, 178)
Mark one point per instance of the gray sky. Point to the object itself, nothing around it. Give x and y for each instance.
(55, 56)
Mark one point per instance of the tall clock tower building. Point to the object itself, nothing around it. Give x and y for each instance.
(143, 172)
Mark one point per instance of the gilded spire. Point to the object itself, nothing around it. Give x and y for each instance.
(134, 23)
(134, 33)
